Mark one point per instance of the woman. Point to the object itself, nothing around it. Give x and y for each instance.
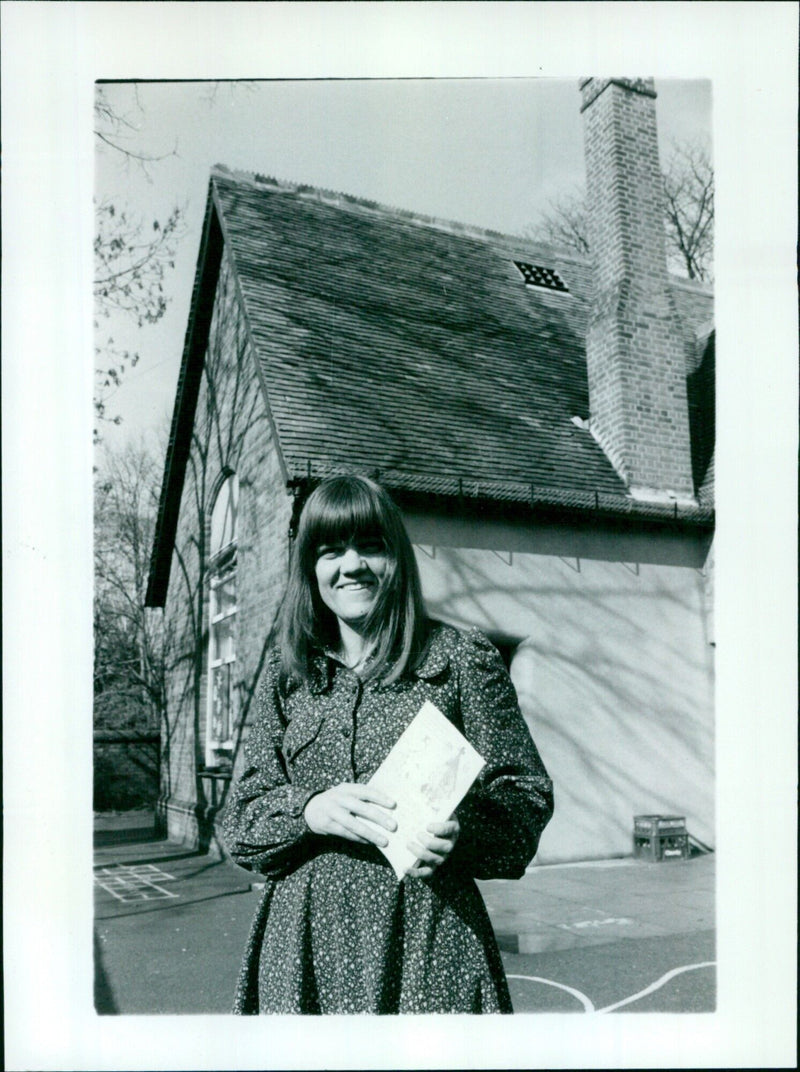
(336, 932)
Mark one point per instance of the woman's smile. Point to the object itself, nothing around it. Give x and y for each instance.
(349, 577)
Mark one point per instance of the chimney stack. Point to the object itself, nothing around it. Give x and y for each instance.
(635, 343)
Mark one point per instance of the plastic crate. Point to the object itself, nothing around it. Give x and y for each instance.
(653, 825)
(660, 837)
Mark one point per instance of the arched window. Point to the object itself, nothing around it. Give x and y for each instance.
(222, 625)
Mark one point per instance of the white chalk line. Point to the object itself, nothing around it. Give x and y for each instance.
(588, 1006)
(658, 984)
(134, 882)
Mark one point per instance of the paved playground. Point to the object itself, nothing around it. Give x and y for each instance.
(616, 936)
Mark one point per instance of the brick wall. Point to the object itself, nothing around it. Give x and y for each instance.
(637, 349)
(232, 433)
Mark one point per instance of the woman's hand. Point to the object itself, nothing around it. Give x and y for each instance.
(342, 809)
(433, 848)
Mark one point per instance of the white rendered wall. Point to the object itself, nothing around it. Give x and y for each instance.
(614, 673)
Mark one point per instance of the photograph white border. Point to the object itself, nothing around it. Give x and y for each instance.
(52, 53)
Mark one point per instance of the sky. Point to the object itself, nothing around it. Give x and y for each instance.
(492, 152)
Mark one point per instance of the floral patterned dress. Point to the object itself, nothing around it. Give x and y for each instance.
(335, 931)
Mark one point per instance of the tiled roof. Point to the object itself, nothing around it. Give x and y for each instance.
(413, 347)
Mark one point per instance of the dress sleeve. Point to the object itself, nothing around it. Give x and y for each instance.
(263, 825)
(508, 807)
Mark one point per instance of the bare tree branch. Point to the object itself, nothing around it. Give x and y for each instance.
(688, 215)
(563, 222)
(689, 210)
(112, 127)
(132, 646)
(132, 259)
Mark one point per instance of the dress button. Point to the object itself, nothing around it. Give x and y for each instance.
(346, 731)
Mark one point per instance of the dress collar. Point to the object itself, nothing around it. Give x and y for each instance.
(434, 662)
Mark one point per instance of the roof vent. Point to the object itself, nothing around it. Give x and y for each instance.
(537, 276)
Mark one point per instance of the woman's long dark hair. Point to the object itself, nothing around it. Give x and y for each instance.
(347, 509)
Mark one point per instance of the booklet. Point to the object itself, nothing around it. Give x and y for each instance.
(427, 773)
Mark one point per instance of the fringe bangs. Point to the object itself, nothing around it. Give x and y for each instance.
(342, 510)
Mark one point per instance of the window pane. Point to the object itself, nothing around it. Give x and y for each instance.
(221, 702)
(223, 516)
(222, 713)
(223, 597)
(222, 640)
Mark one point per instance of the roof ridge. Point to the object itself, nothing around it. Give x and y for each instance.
(342, 199)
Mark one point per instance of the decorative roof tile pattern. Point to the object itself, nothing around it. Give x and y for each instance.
(413, 347)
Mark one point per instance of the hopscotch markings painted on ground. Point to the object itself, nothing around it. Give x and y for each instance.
(588, 1005)
(134, 882)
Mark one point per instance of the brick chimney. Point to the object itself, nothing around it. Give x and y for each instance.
(635, 342)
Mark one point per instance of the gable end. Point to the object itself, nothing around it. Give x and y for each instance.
(180, 436)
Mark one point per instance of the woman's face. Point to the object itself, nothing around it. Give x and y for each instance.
(349, 577)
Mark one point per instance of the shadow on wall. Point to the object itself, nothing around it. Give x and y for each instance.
(231, 433)
(614, 677)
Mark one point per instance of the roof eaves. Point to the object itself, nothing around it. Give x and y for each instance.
(593, 504)
(189, 378)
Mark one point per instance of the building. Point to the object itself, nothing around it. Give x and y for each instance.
(545, 423)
